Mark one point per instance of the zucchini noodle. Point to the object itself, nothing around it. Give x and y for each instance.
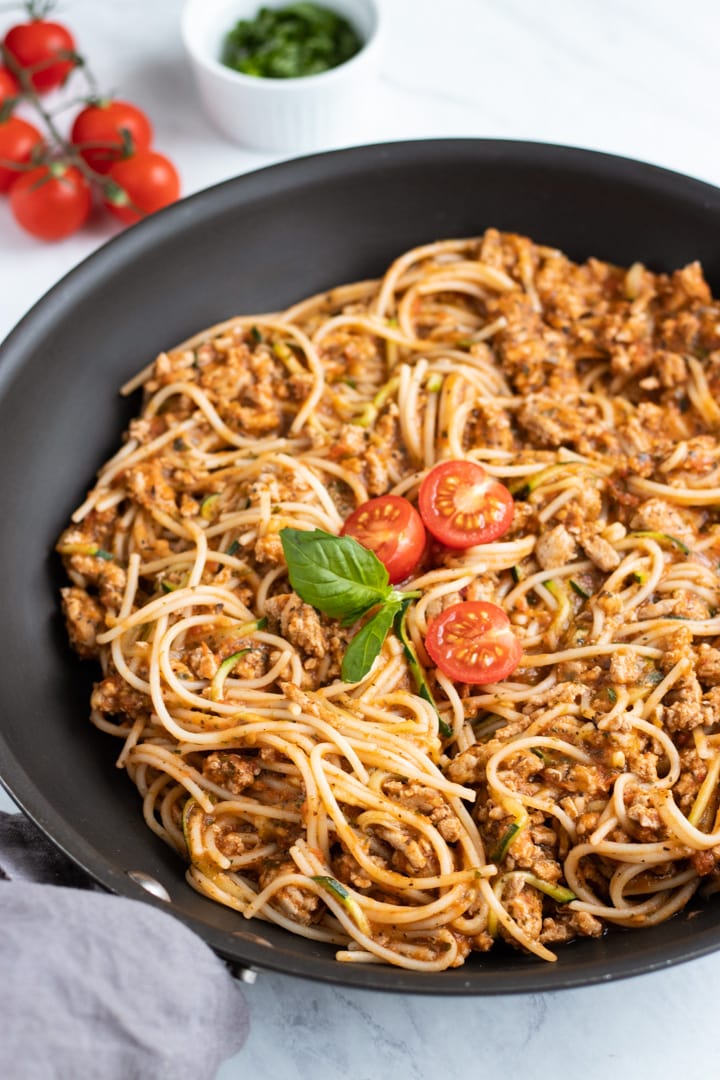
(396, 822)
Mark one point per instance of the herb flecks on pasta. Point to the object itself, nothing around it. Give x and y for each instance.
(406, 818)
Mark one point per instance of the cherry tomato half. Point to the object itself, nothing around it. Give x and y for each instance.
(52, 201)
(101, 126)
(472, 642)
(392, 528)
(35, 44)
(17, 142)
(9, 85)
(462, 506)
(150, 181)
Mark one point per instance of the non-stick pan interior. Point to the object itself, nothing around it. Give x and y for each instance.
(256, 244)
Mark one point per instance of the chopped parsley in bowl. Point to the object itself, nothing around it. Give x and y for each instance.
(282, 99)
(291, 42)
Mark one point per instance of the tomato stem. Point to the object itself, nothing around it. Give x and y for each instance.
(18, 166)
(65, 153)
(39, 9)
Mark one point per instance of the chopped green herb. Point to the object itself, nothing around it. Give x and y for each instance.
(612, 694)
(290, 42)
(233, 547)
(577, 588)
(257, 336)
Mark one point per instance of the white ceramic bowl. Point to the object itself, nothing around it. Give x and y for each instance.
(308, 113)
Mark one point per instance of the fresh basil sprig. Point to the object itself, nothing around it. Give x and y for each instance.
(334, 573)
(367, 643)
(343, 579)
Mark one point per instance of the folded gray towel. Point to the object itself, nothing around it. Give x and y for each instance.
(98, 986)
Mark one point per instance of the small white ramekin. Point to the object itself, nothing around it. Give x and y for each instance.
(314, 112)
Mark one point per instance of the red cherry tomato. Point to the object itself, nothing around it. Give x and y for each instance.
(36, 44)
(17, 141)
(393, 529)
(103, 124)
(9, 85)
(52, 201)
(472, 642)
(150, 181)
(462, 506)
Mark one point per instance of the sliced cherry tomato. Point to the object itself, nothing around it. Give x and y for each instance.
(462, 506)
(35, 45)
(472, 642)
(150, 182)
(392, 528)
(100, 127)
(52, 201)
(9, 85)
(18, 139)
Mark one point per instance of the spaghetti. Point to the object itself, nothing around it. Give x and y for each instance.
(580, 793)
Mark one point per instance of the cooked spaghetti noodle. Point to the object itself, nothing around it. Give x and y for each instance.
(581, 792)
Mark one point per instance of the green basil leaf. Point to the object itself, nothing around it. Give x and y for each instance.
(334, 573)
(365, 647)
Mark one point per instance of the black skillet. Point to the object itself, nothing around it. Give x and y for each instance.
(258, 243)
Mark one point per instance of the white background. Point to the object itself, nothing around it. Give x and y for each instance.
(634, 77)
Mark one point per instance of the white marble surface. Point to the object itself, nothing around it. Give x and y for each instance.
(635, 77)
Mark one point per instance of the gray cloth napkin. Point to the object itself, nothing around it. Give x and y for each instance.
(98, 986)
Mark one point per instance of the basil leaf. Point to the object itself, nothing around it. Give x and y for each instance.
(365, 647)
(416, 668)
(334, 573)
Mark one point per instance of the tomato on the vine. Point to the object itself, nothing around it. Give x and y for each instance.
(47, 48)
(52, 201)
(98, 132)
(9, 85)
(392, 528)
(18, 139)
(149, 181)
(462, 506)
(473, 642)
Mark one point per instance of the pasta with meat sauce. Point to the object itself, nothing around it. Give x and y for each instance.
(579, 793)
